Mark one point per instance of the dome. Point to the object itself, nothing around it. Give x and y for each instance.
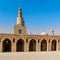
(44, 33)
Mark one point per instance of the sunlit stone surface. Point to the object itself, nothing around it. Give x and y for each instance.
(30, 56)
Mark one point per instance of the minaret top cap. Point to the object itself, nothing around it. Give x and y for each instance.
(19, 12)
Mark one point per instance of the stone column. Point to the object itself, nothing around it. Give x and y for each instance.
(49, 45)
(13, 46)
(57, 46)
(40, 46)
(1, 45)
(26, 45)
(37, 45)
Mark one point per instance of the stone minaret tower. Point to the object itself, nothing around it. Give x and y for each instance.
(20, 26)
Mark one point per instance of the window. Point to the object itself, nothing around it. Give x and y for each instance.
(20, 31)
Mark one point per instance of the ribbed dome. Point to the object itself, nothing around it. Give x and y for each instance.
(44, 33)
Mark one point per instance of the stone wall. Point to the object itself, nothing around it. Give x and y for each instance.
(27, 38)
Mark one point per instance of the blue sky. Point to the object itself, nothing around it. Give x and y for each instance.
(39, 15)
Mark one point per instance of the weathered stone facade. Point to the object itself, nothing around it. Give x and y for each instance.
(20, 41)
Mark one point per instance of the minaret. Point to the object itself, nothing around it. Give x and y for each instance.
(20, 28)
(20, 18)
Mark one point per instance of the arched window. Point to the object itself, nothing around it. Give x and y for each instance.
(6, 47)
(20, 45)
(32, 45)
(53, 45)
(44, 45)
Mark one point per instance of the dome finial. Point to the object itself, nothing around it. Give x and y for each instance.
(52, 31)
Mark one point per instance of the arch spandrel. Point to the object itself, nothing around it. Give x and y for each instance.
(29, 39)
(20, 39)
(6, 45)
(54, 45)
(53, 39)
(7, 38)
(43, 46)
(20, 45)
(43, 39)
(32, 45)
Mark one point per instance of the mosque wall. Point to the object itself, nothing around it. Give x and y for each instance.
(28, 43)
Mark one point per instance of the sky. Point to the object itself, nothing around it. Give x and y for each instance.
(39, 15)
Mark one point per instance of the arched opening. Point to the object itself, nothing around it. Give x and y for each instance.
(6, 45)
(44, 45)
(20, 45)
(32, 45)
(53, 45)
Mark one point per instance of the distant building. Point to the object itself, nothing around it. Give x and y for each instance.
(20, 41)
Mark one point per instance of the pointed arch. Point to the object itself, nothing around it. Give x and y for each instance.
(53, 45)
(43, 45)
(6, 45)
(32, 45)
(20, 45)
